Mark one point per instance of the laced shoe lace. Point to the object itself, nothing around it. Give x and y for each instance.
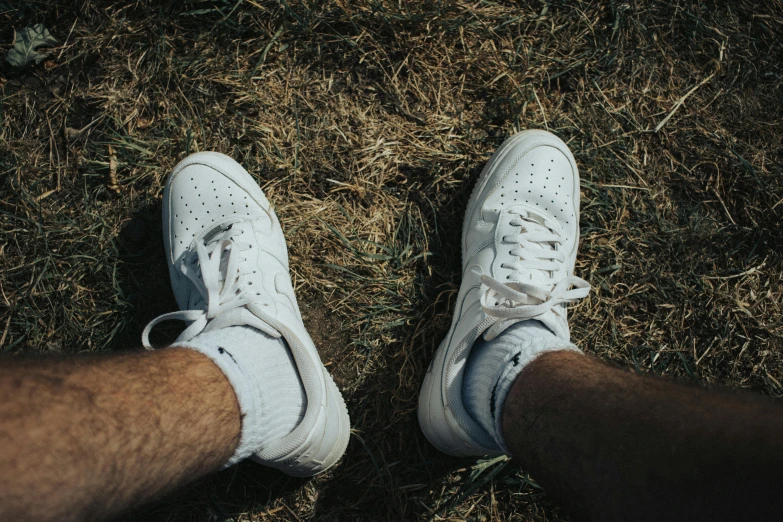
(215, 269)
(536, 248)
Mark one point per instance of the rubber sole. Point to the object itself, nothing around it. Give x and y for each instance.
(338, 448)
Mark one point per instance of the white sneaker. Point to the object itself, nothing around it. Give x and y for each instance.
(519, 242)
(229, 266)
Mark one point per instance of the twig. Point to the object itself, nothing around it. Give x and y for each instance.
(5, 331)
(681, 101)
(62, 49)
(749, 271)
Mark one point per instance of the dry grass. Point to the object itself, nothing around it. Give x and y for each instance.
(366, 123)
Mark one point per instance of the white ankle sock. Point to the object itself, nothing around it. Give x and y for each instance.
(493, 366)
(265, 379)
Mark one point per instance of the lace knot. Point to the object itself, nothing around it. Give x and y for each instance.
(217, 279)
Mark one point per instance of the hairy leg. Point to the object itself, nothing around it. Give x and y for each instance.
(83, 438)
(611, 445)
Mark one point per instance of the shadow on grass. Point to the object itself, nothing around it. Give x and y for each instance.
(246, 487)
(144, 281)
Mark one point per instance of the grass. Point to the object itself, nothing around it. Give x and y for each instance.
(366, 123)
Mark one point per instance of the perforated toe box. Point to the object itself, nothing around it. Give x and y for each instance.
(207, 189)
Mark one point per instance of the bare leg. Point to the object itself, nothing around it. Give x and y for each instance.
(611, 445)
(83, 438)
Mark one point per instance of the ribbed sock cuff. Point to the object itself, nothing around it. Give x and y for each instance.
(493, 366)
(250, 407)
(265, 380)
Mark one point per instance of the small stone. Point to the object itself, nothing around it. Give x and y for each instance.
(71, 134)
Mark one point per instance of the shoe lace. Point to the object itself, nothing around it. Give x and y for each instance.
(536, 248)
(215, 268)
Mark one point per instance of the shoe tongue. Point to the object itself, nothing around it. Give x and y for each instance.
(531, 216)
(216, 235)
(211, 234)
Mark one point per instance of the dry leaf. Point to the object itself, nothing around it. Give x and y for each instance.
(27, 41)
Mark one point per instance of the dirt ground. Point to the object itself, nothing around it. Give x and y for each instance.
(366, 124)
